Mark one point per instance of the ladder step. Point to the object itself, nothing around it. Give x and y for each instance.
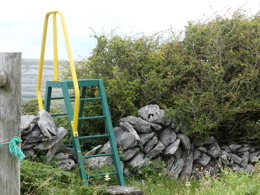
(102, 174)
(91, 117)
(92, 136)
(88, 99)
(98, 155)
(57, 98)
(59, 114)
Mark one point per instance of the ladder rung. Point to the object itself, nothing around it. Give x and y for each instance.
(102, 174)
(98, 155)
(93, 136)
(91, 117)
(88, 99)
(59, 114)
(57, 98)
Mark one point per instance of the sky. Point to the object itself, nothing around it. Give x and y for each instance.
(21, 22)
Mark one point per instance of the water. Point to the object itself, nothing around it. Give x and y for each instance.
(30, 76)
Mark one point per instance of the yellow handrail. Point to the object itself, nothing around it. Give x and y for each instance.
(74, 123)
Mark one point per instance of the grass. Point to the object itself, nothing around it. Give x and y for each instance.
(39, 179)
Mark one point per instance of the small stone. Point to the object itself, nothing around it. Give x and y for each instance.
(204, 159)
(167, 136)
(156, 150)
(121, 190)
(214, 150)
(172, 148)
(185, 141)
(150, 144)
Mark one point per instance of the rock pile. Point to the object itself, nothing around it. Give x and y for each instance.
(152, 136)
(39, 133)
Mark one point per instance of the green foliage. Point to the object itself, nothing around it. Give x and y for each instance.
(41, 179)
(209, 75)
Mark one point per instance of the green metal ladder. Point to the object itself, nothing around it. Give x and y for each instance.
(65, 85)
(74, 111)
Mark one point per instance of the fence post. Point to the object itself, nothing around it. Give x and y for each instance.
(10, 119)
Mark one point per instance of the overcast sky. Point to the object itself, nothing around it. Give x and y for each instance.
(21, 21)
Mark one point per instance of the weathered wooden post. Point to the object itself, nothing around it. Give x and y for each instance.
(10, 119)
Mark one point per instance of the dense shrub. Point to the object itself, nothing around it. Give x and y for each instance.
(209, 75)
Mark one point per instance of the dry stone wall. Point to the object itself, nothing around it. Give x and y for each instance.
(141, 140)
(153, 137)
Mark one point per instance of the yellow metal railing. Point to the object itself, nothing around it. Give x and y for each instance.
(74, 123)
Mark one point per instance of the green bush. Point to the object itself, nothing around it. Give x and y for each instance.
(209, 75)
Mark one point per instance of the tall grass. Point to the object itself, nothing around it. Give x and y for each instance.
(41, 179)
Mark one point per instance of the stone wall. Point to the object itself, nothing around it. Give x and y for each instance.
(141, 140)
(151, 136)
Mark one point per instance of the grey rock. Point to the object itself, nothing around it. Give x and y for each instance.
(54, 143)
(235, 158)
(27, 123)
(128, 154)
(245, 159)
(235, 167)
(170, 164)
(178, 153)
(226, 148)
(202, 149)
(225, 157)
(127, 172)
(249, 168)
(121, 190)
(185, 140)
(137, 161)
(244, 148)
(152, 113)
(204, 159)
(68, 164)
(156, 150)
(167, 136)
(106, 148)
(172, 148)
(27, 146)
(145, 138)
(98, 162)
(140, 125)
(155, 127)
(124, 139)
(94, 150)
(254, 157)
(186, 172)
(61, 156)
(150, 144)
(176, 169)
(47, 124)
(33, 137)
(126, 126)
(234, 147)
(214, 150)
(196, 154)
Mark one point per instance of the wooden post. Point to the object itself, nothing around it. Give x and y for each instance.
(10, 119)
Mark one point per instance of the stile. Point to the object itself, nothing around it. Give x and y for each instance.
(10, 119)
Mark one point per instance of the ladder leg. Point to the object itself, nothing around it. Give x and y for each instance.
(81, 107)
(47, 100)
(80, 161)
(75, 140)
(110, 130)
